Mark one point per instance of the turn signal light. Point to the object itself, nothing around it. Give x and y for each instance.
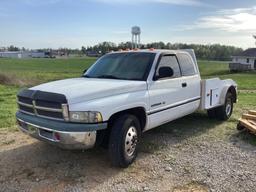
(57, 136)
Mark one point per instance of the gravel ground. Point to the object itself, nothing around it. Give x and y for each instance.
(205, 156)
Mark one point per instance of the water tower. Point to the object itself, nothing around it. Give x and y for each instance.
(136, 37)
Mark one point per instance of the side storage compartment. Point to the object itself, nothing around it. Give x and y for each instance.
(211, 93)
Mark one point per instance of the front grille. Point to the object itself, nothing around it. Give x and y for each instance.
(25, 100)
(48, 104)
(57, 115)
(42, 104)
(26, 109)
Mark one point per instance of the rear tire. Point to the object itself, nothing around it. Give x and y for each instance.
(211, 113)
(123, 141)
(224, 112)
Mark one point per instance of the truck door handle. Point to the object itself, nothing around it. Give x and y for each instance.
(184, 84)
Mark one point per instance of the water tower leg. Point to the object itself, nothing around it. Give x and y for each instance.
(132, 41)
(139, 42)
(136, 42)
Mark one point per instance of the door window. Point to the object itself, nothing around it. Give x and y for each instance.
(169, 61)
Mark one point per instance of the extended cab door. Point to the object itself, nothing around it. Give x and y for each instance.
(174, 96)
(191, 81)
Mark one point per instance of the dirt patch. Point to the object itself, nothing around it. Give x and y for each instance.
(192, 187)
(10, 80)
(170, 160)
(180, 156)
(4, 79)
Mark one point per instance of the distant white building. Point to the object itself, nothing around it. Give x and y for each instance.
(22, 54)
(38, 54)
(11, 54)
(245, 61)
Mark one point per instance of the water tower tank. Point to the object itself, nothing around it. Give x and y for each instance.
(136, 30)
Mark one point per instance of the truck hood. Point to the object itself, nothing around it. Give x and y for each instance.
(84, 89)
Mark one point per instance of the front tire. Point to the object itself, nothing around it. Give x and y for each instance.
(123, 142)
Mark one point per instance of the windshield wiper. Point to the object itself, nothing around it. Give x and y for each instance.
(108, 77)
(86, 76)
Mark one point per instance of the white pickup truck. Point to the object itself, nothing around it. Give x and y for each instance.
(118, 98)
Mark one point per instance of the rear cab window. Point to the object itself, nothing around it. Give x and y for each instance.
(187, 65)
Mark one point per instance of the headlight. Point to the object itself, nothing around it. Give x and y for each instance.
(85, 117)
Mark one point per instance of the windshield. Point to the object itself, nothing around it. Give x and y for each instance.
(126, 66)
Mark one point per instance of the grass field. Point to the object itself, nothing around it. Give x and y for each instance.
(34, 71)
(15, 74)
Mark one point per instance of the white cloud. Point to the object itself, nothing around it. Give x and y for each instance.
(232, 20)
(174, 2)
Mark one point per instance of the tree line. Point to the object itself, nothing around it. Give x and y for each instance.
(206, 52)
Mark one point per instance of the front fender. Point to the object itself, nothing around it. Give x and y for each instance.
(108, 106)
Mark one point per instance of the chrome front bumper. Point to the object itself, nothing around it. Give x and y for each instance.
(67, 140)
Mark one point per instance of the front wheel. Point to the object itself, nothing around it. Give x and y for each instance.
(123, 141)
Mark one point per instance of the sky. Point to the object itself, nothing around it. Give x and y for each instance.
(74, 23)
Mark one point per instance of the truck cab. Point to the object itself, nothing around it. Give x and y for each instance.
(174, 88)
(122, 95)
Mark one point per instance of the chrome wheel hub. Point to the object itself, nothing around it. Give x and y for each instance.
(131, 140)
(228, 108)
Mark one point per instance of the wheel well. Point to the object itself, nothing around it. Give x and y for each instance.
(139, 112)
(232, 90)
(103, 135)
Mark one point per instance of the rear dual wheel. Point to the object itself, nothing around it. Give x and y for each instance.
(223, 112)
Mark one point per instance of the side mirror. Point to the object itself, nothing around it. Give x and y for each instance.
(165, 72)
